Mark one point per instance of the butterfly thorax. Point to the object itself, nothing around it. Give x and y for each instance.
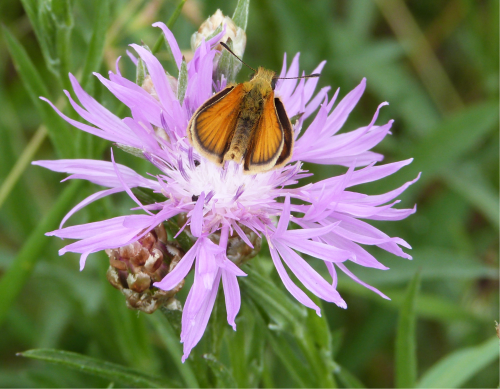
(257, 91)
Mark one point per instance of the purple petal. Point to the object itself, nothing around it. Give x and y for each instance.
(350, 274)
(290, 286)
(197, 216)
(232, 296)
(309, 277)
(193, 329)
(284, 218)
(172, 279)
(174, 47)
(87, 201)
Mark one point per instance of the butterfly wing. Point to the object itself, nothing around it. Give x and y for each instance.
(212, 126)
(288, 134)
(267, 140)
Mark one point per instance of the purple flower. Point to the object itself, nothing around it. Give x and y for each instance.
(222, 200)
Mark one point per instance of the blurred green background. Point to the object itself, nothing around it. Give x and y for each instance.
(436, 62)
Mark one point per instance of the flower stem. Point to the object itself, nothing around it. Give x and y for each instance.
(170, 23)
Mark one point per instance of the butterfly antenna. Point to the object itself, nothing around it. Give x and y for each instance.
(228, 49)
(295, 78)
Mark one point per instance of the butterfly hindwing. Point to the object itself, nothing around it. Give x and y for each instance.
(213, 124)
(267, 140)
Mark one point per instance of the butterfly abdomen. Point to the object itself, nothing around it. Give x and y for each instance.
(252, 107)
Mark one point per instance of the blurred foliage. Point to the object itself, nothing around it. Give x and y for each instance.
(436, 62)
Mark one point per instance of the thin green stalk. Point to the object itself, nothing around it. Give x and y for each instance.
(419, 51)
(63, 48)
(20, 270)
(171, 21)
(21, 164)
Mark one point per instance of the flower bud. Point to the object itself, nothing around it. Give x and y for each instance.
(208, 28)
(134, 267)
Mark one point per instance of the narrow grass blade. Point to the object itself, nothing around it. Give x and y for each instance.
(223, 375)
(289, 356)
(471, 184)
(274, 302)
(96, 46)
(100, 368)
(57, 128)
(171, 21)
(450, 140)
(18, 273)
(456, 368)
(406, 359)
(347, 379)
(171, 341)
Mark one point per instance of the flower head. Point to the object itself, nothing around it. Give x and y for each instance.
(219, 204)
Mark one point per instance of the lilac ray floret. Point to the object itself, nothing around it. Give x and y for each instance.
(331, 221)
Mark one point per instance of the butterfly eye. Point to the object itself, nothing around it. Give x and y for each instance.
(273, 83)
(251, 76)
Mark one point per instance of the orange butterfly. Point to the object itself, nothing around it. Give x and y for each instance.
(244, 122)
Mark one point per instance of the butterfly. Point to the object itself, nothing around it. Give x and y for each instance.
(245, 123)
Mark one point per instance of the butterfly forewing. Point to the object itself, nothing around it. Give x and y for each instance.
(267, 140)
(213, 125)
(288, 134)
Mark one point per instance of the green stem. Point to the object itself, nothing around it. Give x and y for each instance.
(18, 273)
(170, 23)
(21, 164)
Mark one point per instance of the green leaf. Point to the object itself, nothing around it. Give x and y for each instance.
(95, 50)
(148, 196)
(430, 306)
(223, 375)
(171, 341)
(240, 15)
(449, 140)
(14, 279)
(347, 379)
(62, 13)
(216, 32)
(58, 131)
(100, 368)
(300, 372)
(436, 263)
(182, 81)
(183, 239)
(130, 331)
(140, 72)
(228, 65)
(406, 358)
(48, 36)
(273, 301)
(470, 182)
(131, 150)
(246, 346)
(456, 368)
(315, 341)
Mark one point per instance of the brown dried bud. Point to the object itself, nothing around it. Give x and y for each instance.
(135, 267)
(233, 32)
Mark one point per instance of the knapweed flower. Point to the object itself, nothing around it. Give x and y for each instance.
(224, 202)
